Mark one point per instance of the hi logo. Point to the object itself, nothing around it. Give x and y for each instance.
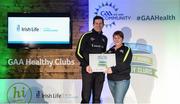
(19, 93)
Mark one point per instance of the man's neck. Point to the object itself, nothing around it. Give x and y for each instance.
(99, 32)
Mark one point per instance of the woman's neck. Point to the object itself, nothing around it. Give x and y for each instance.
(118, 46)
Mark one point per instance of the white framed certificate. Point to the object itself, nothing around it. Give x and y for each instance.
(99, 62)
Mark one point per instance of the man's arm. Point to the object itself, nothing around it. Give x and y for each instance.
(80, 51)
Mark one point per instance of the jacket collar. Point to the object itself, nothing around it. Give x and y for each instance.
(96, 32)
(118, 48)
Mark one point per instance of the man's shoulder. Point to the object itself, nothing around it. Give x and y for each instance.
(104, 36)
(89, 32)
(86, 34)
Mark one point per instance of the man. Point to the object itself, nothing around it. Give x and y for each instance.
(91, 42)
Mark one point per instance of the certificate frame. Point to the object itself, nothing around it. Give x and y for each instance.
(99, 62)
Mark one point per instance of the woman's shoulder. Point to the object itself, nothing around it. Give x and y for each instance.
(126, 47)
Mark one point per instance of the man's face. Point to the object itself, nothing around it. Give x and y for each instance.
(98, 25)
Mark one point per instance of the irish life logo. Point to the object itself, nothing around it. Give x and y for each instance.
(18, 28)
(19, 93)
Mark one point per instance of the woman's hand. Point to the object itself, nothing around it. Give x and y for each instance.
(108, 70)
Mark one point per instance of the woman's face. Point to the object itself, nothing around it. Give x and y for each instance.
(117, 40)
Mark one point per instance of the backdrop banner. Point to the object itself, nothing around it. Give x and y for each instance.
(151, 30)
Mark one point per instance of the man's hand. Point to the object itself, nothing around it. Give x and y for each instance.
(88, 69)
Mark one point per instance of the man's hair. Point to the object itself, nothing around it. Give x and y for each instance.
(98, 17)
(119, 33)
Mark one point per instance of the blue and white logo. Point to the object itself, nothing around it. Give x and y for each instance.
(110, 13)
(18, 28)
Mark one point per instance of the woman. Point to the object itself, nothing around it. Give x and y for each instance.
(119, 75)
